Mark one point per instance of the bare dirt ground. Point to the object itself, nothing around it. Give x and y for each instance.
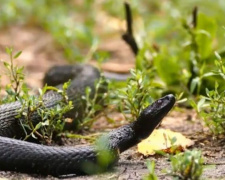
(40, 53)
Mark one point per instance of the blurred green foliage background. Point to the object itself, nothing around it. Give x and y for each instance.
(184, 54)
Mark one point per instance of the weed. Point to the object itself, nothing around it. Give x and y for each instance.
(187, 165)
(95, 104)
(151, 174)
(136, 96)
(33, 108)
(40, 121)
(16, 77)
(211, 107)
(50, 120)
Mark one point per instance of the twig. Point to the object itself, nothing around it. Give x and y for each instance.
(194, 17)
(193, 66)
(214, 163)
(128, 35)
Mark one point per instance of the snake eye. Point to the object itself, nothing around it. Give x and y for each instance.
(159, 101)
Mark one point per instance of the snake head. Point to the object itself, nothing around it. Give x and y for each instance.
(151, 116)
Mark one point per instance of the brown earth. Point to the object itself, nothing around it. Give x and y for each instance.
(40, 53)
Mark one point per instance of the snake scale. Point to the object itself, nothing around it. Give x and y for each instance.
(26, 157)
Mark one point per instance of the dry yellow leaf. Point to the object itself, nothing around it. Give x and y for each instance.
(160, 139)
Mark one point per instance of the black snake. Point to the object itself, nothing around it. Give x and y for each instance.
(20, 156)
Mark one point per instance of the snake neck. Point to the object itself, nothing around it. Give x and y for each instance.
(129, 135)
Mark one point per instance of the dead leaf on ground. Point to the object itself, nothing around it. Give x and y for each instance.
(160, 139)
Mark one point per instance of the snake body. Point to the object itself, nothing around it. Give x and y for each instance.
(20, 156)
(81, 76)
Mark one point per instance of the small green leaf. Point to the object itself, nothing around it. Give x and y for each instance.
(40, 91)
(38, 126)
(66, 85)
(17, 54)
(217, 55)
(7, 65)
(88, 91)
(46, 123)
(207, 92)
(216, 85)
(209, 74)
(9, 50)
(51, 88)
(200, 104)
(194, 84)
(193, 104)
(181, 101)
(32, 134)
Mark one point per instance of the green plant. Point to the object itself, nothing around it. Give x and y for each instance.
(211, 107)
(51, 119)
(187, 165)
(136, 96)
(95, 104)
(185, 63)
(151, 174)
(202, 31)
(16, 77)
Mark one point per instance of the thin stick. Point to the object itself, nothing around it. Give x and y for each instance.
(128, 36)
(194, 17)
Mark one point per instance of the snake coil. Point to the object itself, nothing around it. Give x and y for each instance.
(20, 156)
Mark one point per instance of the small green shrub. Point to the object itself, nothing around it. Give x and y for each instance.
(95, 104)
(51, 119)
(187, 165)
(212, 110)
(136, 95)
(211, 107)
(15, 74)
